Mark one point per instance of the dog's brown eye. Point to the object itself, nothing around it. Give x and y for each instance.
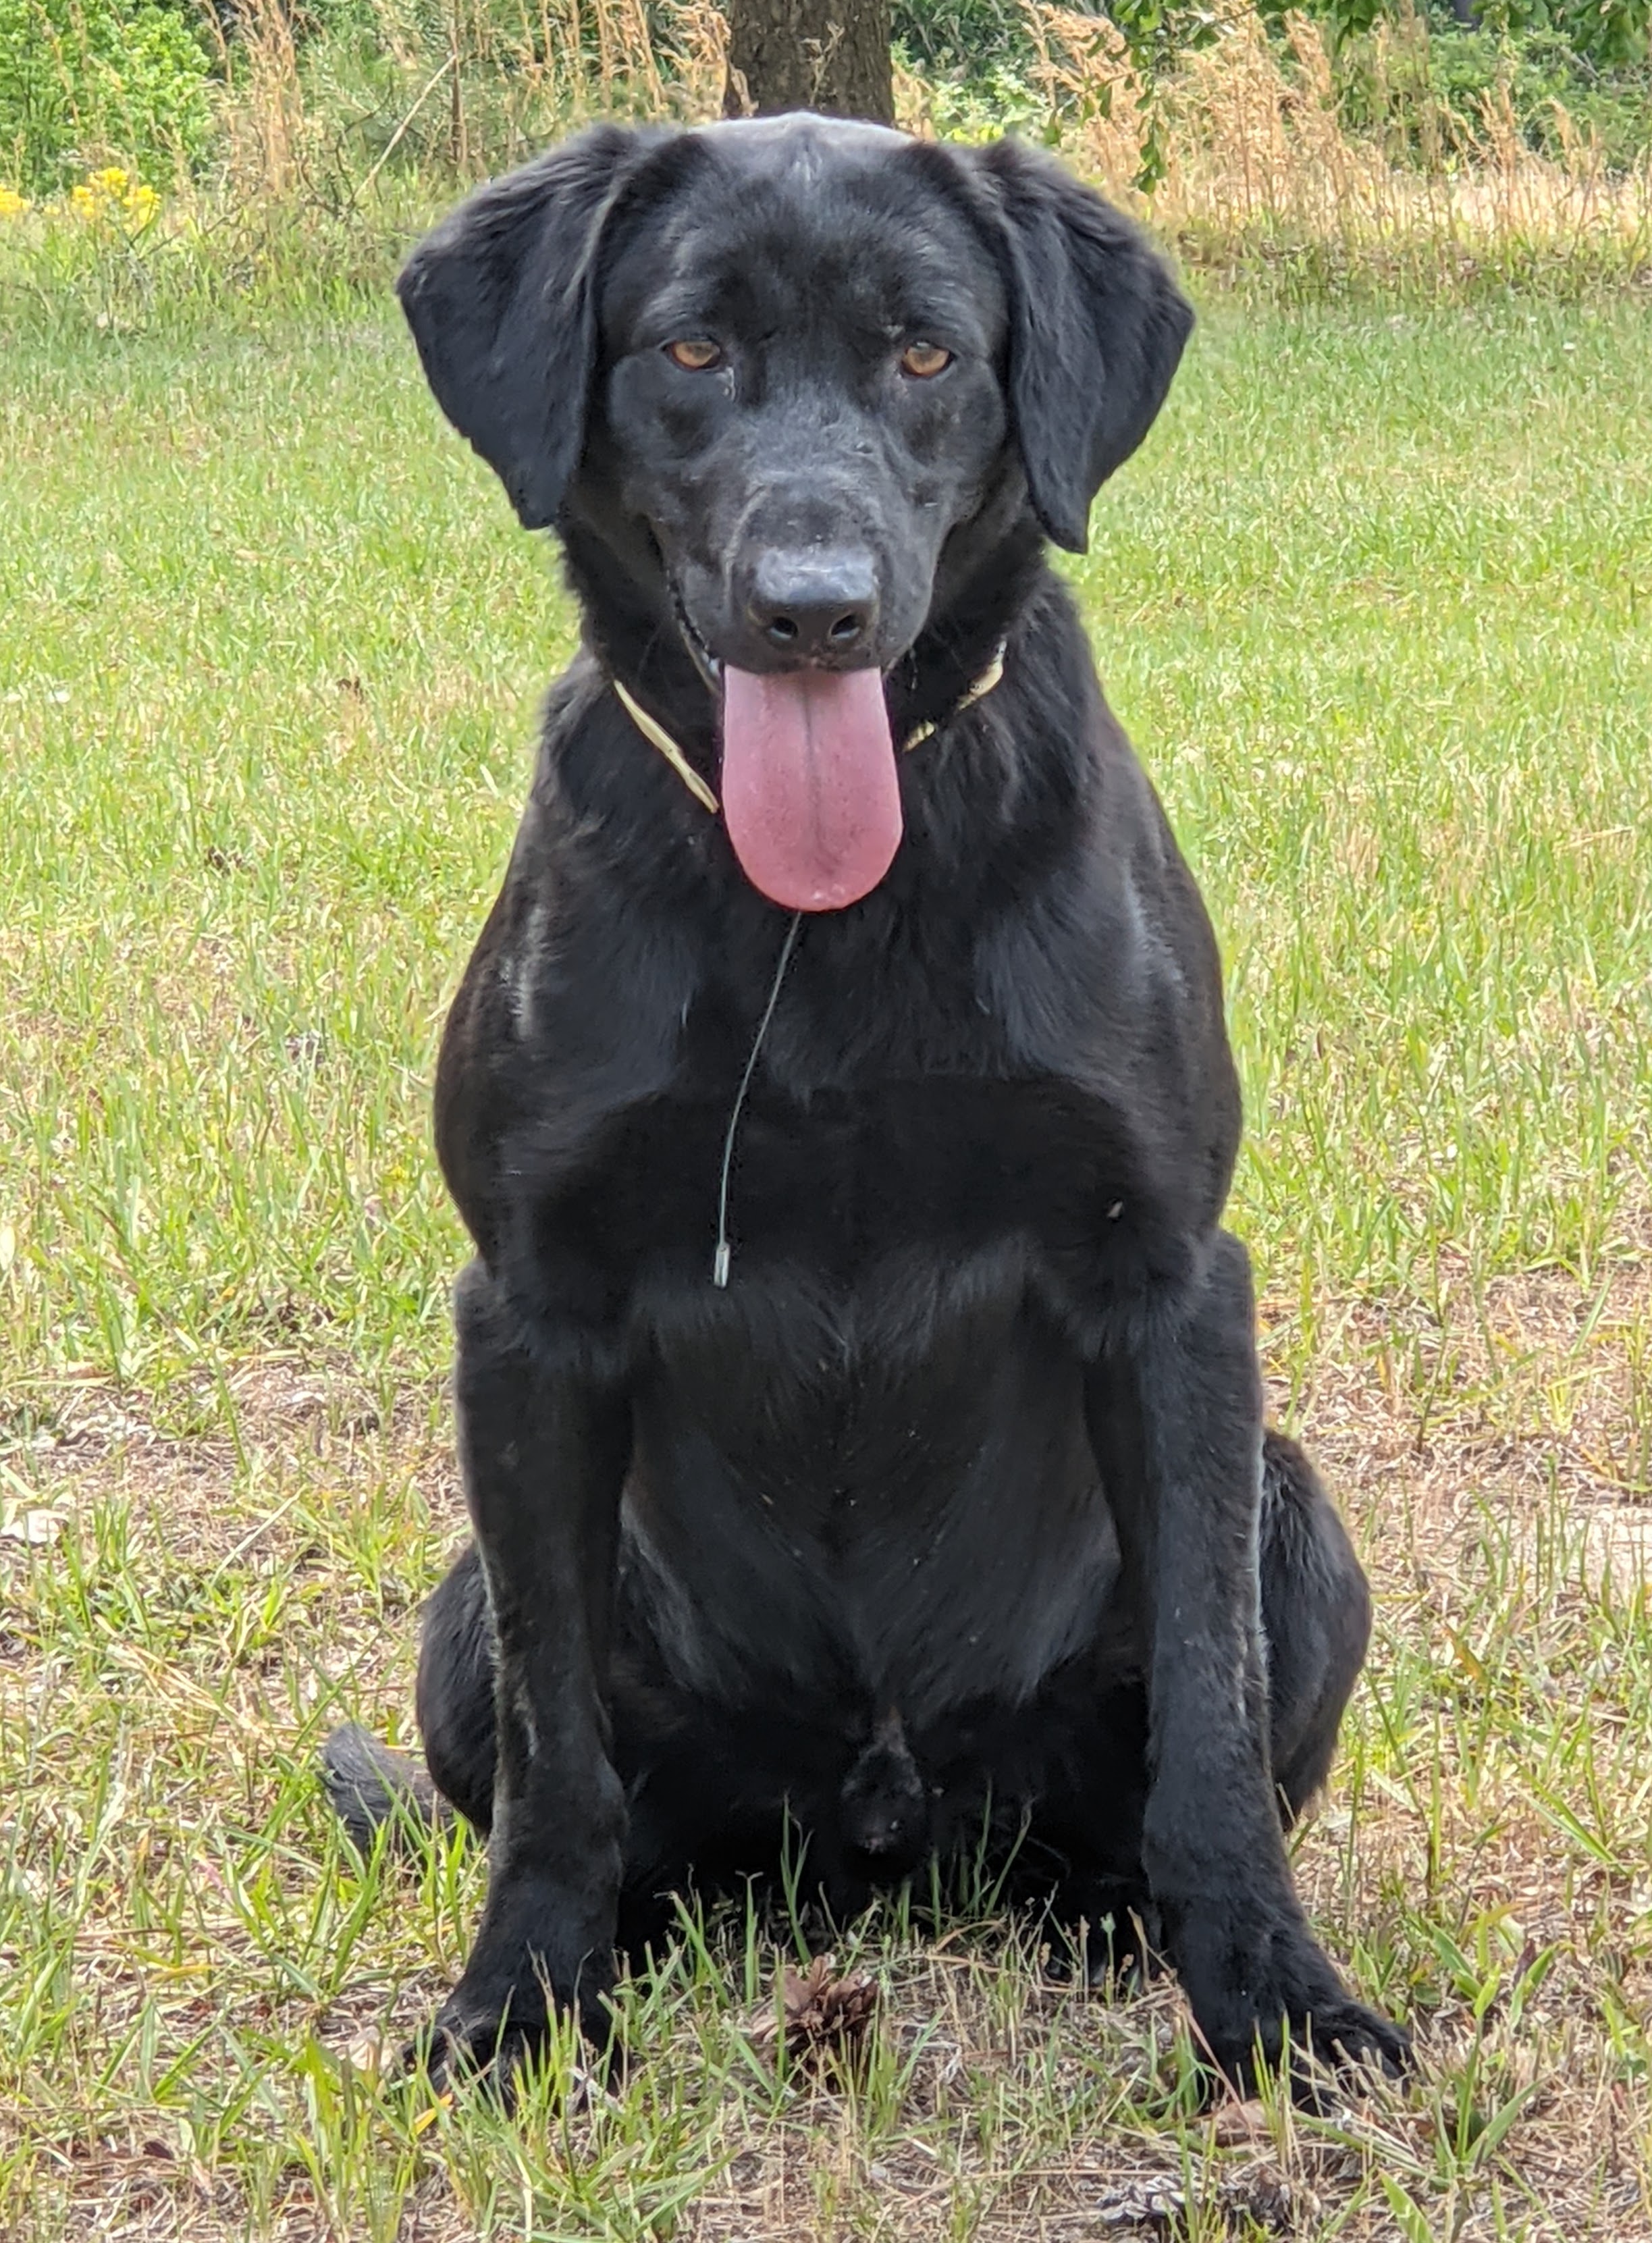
(923, 359)
(694, 353)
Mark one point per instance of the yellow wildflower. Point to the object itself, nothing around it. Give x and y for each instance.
(113, 194)
(12, 205)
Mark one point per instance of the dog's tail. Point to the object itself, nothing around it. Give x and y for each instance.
(373, 1787)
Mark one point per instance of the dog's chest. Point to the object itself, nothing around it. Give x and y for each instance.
(893, 1486)
(866, 1454)
(844, 1192)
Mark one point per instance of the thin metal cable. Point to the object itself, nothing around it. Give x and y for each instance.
(721, 1259)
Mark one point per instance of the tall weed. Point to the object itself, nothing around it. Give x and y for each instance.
(1241, 156)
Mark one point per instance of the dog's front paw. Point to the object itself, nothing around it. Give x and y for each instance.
(1265, 1997)
(1327, 2047)
(489, 2031)
(459, 2049)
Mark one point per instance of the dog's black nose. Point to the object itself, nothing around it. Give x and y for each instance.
(814, 605)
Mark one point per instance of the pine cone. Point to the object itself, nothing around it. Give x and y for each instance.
(825, 2018)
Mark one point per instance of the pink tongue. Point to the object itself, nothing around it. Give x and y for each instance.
(810, 795)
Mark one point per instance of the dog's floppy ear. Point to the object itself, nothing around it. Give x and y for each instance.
(501, 301)
(1096, 330)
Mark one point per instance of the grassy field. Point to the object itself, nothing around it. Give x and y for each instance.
(1377, 606)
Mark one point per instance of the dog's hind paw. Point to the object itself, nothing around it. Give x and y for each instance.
(1113, 1948)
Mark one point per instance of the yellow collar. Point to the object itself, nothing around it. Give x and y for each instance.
(658, 736)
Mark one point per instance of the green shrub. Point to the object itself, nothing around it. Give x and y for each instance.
(1602, 34)
(81, 80)
(1410, 87)
(972, 38)
(1593, 55)
(1598, 35)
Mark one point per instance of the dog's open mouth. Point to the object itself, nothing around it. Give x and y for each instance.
(809, 794)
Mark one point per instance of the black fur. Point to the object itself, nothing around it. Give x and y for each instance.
(955, 1509)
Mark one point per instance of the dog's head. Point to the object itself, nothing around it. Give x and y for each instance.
(781, 372)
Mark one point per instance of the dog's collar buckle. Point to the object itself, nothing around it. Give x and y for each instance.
(658, 736)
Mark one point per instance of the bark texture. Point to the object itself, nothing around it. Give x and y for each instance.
(827, 55)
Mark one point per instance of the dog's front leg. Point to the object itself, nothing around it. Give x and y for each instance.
(544, 1452)
(1176, 1415)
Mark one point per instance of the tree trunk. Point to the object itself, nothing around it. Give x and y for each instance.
(829, 55)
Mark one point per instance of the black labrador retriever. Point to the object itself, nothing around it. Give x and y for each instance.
(858, 1394)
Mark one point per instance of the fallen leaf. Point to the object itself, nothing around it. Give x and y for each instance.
(367, 2050)
(36, 1528)
(1237, 2123)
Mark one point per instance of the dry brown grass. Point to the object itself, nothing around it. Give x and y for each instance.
(479, 90)
(323, 173)
(1255, 165)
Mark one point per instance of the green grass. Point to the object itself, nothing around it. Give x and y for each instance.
(1376, 604)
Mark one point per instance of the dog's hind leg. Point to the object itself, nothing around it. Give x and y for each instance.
(370, 1784)
(456, 1691)
(1175, 1416)
(1316, 1621)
